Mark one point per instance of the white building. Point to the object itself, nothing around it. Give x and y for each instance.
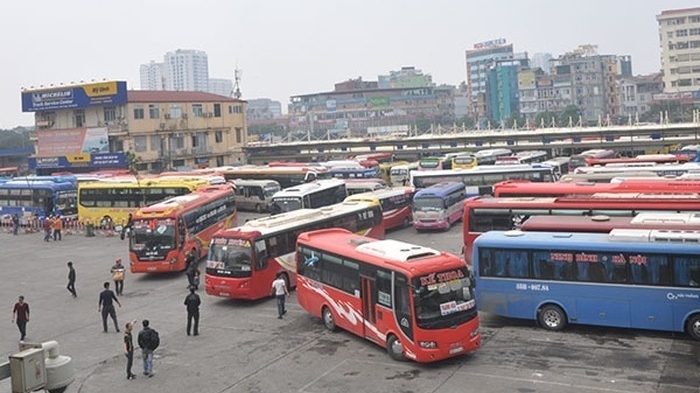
(152, 77)
(541, 60)
(222, 87)
(186, 70)
(679, 36)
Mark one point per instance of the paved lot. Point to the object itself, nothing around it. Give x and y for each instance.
(243, 347)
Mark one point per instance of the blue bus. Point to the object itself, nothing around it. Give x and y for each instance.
(631, 278)
(29, 197)
(438, 206)
(355, 173)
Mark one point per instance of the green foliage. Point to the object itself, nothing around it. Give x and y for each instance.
(133, 162)
(677, 112)
(15, 138)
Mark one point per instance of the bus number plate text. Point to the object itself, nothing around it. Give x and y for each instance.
(532, 287)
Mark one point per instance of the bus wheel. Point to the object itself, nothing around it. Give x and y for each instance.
(406, 222)
(328, 320)
(552, 317)
(693, 326)
(394, 348)
(258, 208)
(448, 225)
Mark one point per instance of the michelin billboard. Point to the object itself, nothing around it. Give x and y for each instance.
(74, 97)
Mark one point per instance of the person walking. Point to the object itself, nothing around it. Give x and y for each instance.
(126, 228)
(57, 227)
(148, 342)
(106, 306)
(118, 272)
(129, 348)
(15, 224)
(20, 314)
(192, 301)
(48, 224)
(71, 279)
(279, 290)
(192, 271)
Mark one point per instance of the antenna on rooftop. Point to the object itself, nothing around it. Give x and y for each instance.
(236, 93)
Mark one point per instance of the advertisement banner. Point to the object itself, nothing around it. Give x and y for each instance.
(74, 97)
(96, 160)
(379, 102)
(72, 142)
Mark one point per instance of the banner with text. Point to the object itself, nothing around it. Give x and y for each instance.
(72, 141)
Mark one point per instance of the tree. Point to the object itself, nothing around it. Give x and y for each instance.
(544, 119)
(570, 113)
(15, 138)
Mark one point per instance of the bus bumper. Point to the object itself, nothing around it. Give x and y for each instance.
(233, 290)
(153, 267)
(430, 224)
(447, 350)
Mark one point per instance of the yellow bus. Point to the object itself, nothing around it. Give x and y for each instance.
(385, 170)
(108, 202)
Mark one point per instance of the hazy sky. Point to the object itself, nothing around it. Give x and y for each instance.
(291, 47)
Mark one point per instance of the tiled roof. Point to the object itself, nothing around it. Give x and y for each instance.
(175, 96)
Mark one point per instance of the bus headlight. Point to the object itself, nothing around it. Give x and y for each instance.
(474, 333)
(427, 344)
(173, 260)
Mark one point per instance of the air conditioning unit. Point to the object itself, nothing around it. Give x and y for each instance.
(208, 114)
(166, 115)
(184, 115)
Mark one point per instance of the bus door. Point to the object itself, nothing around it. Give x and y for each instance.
(369, 303)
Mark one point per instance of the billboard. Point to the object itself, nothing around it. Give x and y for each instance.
(95, 160)
(71, 141)
(74, 97)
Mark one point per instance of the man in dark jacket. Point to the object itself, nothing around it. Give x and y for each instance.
(148, 342)
(71, 279)
(106, 306)
(192, 302)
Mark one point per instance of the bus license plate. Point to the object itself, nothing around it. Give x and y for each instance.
(151, 269)
(456, 350)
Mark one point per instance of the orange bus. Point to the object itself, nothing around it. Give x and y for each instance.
(640, 160)
(516, 188)
(482, 214)
(396, 203)
(415, 301)
(161, 234)
(243, 261)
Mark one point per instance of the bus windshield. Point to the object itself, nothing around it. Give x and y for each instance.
(268, 192)
(230, 257)
(428, 203)
(67, 202)
(152, 236)
(285, 204)
(443, 299)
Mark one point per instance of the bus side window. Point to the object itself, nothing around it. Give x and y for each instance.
(687, 271)
(261, 255)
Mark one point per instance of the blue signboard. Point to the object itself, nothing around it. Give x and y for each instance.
(97, 161)
(74, 97)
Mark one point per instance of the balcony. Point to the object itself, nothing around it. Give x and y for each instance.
(201, 150)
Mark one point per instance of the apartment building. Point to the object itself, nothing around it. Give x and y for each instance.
(679, 42)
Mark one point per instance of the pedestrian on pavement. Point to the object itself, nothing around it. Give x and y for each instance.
(71, 279)
(279, 290)
(15, 224)
(106, 306)
(129, 349)
(192, 271)
(148, 342)
(127, 228)
(118, 272)
(192, 301)
(48, 225)
(57, 227)
(20, 314)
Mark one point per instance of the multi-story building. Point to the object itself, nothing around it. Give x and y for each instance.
(220, 86)
(405, 77)
(527, 89)
(555, 90)
(541, 61)
(186, 70)
(636, 93)
(86, 127)
(679, 39)
(479, 60)
(503, 94)
(263, 109)
(152, 77)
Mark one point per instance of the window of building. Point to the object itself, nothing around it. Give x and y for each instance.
(138, 112)
(239, 135)
(153, 111)
(140, 144)
(233, 109)
(217, 110)
(694, 31)
(219, 160)
(669, 34)
(155, 142)
(175, 111)
(177, 142)
(109, 113)
(48, 117)
(682, 33)
(694, 19)
(78, 118)
(197, 110)
(218, 136)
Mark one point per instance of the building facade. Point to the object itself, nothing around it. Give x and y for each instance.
(152, 77)
(637, 93)
(479, 61)
(88, 127)
(220, 87)
(679, 42)
(503, 94)
(263, 109)
(187, 70)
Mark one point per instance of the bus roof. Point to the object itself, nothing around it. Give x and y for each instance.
(630, 201)
(39, 184)
(481, 169)
(527, 188)
(381, 194)
(413, 259)
(604, 223)
(143, 183)
(261, 170)
(440, 189)
(604, 177)
(184, 203)
(255, 182)
(286, 221)
(307, 188)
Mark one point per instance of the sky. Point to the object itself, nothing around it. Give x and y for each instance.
(293, 47)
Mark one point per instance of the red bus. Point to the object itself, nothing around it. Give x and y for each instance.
(243, 261)
(605, 224)
(416, 302)
(640, 160)
(515, 188)
(161, 234)
(482, 214)
(396, 203)
(579, 160)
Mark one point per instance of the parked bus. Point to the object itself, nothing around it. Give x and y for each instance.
(579, 160)
(358, 186)
(40, 198)
(690, 151)
(640, 160)
(430, 163)
(489, 156)
(658, 170)
(162, 234)
(515, 188)
(480, 180)
(9, 172)
(243, 261)
(255, 195)
(396, 203)
(605, 224)
(385, 170)
(416, 302)
(109, 201)
(631, 278)
(400, 174)
(309, 196)
(560, 166)
(482, 214)
(438, 206)
(285, 176)
(605, 177)
(465, 160)
(355, 173)
(522, 157)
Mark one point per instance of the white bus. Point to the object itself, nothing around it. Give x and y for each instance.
(358, 186)
(489, 156)
(399, 174)
(255, 195)
(309, 196)
(480, 180)
(560, 165)
(659, 170)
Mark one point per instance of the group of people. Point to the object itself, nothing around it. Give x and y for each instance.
(53, 225)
